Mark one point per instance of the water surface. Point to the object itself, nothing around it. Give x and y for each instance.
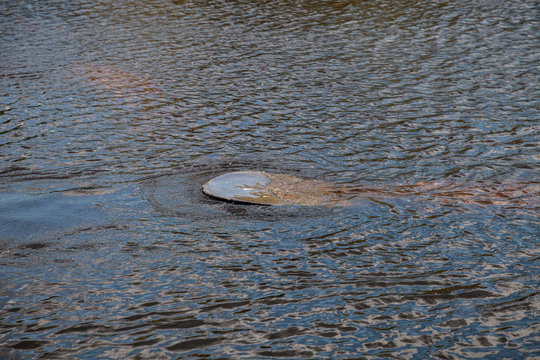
(113, 115)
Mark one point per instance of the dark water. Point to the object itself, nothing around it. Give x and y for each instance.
(114, 113)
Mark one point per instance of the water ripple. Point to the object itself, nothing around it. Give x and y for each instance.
(113, 114)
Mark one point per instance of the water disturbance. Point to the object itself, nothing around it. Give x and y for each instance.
(398, 139)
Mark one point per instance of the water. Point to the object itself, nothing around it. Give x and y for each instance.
(114, 113)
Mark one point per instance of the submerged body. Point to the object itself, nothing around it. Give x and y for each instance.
(264, 188)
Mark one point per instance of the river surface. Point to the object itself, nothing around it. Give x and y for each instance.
(114, 113)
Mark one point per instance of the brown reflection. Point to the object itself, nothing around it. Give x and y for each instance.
(115, 80)
(478, 192)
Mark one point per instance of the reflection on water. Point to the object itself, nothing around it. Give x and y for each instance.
(113, 115)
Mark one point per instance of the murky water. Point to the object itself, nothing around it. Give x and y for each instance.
(114, 113)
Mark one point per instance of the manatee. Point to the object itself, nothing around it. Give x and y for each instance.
(264, 188)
